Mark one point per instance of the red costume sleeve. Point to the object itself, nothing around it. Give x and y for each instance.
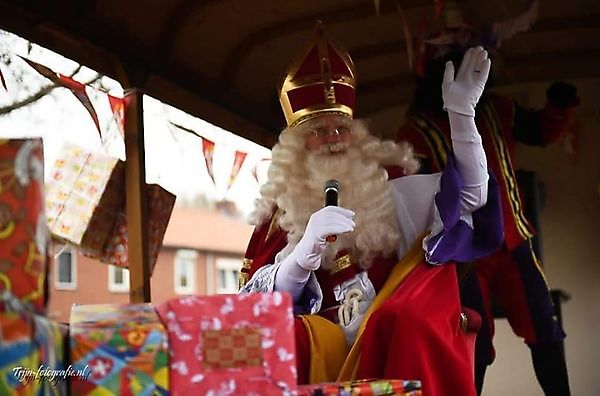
(266, 241)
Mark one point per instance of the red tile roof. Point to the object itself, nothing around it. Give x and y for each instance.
(206, 230)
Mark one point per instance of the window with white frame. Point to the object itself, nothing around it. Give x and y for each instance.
(228, 270)
(118, 279)
(65, 265)
(184, 269)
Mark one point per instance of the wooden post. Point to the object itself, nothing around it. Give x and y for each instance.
(136, 203)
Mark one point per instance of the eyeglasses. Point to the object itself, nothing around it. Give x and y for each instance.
(323, 132)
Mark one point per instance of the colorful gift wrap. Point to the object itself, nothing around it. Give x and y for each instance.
(23, 232)
(84, 193)
(160, 207)
(123, 347)
(371, 387)
(231, 344)
(32, 360)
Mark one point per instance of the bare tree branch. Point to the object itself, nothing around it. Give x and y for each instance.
(29, 100)
(40, 94)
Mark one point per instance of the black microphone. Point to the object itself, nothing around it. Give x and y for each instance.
(331, 189)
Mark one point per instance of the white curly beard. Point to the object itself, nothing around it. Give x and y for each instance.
(363, 190)
(297, 178)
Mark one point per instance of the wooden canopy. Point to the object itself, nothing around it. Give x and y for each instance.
(221, 59)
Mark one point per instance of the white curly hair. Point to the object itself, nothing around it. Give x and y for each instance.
(296, 178)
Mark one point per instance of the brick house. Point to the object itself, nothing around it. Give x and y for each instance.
(201, 254)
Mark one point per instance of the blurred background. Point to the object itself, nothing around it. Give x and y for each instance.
(209, 71)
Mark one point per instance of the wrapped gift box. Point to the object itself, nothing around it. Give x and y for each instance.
(124, 347)
(85, 203)
(84, 193)
(160, 207)
(363, 387)
(32, 359)
(231, 344)
(23, 232)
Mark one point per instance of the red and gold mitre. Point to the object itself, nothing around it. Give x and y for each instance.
(321, 79)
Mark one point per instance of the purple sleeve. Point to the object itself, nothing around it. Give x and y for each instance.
(458, 240)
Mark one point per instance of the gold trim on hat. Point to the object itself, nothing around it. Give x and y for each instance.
(322, 41)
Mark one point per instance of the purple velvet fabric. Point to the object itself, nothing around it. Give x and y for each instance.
(458, 241)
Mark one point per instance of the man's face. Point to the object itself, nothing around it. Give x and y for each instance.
(329, 134)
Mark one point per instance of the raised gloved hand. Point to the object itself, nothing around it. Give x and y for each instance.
(330, 220)
(462, 92)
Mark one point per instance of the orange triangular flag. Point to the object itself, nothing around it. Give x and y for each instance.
(117, 106)
(239, 159)
(208, 149)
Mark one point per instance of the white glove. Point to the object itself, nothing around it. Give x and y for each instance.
(306, 257)
(330, 220)
(461, 94)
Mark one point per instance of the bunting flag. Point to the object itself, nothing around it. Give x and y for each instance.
(188, 130)
(43, 70)
(208, 149)
(117, 106)
(77, 88)
(254, 169)
(3, 81)
(239, 159)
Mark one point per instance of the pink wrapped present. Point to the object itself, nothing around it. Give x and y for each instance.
(231, 344)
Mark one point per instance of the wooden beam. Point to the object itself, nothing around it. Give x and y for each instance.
(136, 202)
(247, 44)
(110, 52)
(397, 89)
